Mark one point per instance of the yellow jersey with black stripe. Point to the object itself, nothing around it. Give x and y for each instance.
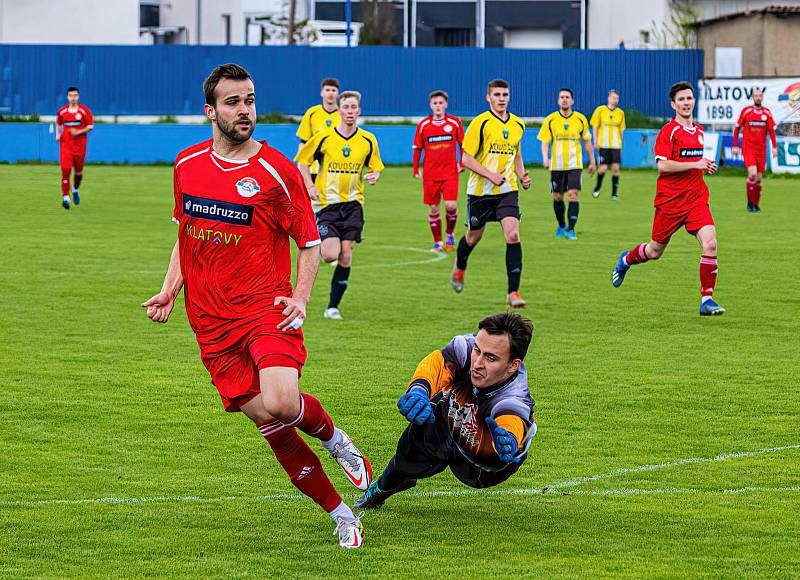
(608, 125)
(493, 143)
(565, 134)
(341, 161)
(317, 119)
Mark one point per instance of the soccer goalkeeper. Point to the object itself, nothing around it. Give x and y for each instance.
(470, 410)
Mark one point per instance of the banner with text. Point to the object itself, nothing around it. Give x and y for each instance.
(788, 158)
(721, 100)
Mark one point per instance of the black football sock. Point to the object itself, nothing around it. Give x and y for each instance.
(614, 185)
(78, 179)
(339, 283)
(559, 209)
(513, 266)
(600, 177)
(574, 208)
(462, 253)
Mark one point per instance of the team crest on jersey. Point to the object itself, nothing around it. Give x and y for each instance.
(763, 117)
(247, 187)
(505, 133)
(322, 229)
(78, 116)
(346, 150)
(448, 129)
(566, 126)
(328, 122)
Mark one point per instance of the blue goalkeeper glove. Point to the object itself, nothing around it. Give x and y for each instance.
(416, 407)
(504, 442)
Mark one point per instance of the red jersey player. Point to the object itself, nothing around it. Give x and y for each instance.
(437, 135)
(681, 198)
(756, 124)
(237, 203)
(73, 122)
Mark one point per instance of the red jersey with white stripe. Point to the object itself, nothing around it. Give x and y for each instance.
(677, 192)
(756, 124)
(438, 140)
(80, 118)
(235, 219)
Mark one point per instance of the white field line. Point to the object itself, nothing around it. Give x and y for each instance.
(437, 257)
(554, 489)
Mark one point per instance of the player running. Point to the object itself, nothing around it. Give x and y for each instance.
(608, 125)
(565, 129)
(437, 135)
(756, 124)
(73, 122)
(681, 198)
(237, 203)
(337, 193)
(322, 116)
(491, 151)
(469, 409)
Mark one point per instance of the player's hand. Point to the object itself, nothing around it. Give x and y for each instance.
(416, 407)
(159, 307)
(707, 166)
(546, 163)
(418, 174)
(74, 131)
(505, 444)
(497, 178)
(372, 177)
(313, 193)
(295, 312)
(460, 167)
(592, 167)
(736, 152)
(58, 137)
(525, 180)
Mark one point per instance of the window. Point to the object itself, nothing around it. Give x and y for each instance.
(454, 37)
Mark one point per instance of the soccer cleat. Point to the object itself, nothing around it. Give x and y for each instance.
(437, 247)
(356, 467)
(65, 202)
(560, 231)
(76, 197)
(595, 194)
(756, 209)
(333, 314)
(457, 280)
(450, 243)
(571, 235)
(375, 497)
(620, 269)
(515, 300)
(710, 308)
(750, 207)
(351, 534)
(614, 197)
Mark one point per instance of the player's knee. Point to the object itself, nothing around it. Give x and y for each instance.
(283, 404)
(345, 257)
(573, 196)
(512, 237)
(474, 236)
(710, 246)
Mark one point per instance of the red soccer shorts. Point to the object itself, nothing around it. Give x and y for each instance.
(434, 190)
(234, 372)
(666, 224)
(757, 158)
(70, 159)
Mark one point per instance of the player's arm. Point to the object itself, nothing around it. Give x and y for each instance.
(160, 306)
(472, 164)
(736, 129)
(295, 305)
(470, 148)
(415, 161)
(545, 136)
(508, 434)
(375, 165)
(587, 143)
(415, 404)
(59, 127)
(595, 123)
(519, 168)
(671, 166)
(771, 133)
(304, 159)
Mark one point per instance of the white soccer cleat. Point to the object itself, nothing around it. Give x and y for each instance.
(595, 194)
(356, 467)
(333, 314)
(351, 534)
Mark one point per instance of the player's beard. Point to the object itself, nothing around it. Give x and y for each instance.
(234, 134)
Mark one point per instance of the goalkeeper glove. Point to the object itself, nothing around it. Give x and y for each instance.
(416, 407)
(505, 444)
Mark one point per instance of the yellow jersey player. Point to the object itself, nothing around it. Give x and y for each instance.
(608, 125)
(563, 132)
(469, 409)
(337, 192)
(491, 151)
(322, 116)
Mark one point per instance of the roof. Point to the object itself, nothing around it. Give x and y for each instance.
(776, 9)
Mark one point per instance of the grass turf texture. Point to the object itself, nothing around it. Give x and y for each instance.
(100, 403)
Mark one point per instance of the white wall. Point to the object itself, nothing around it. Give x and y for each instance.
(610, 21)
(69, 22)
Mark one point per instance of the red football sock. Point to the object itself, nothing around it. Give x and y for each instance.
(751, 185)
(757, 193)
(301, 464)
(452, 216)
(637, 255)
(78, 179)
(65, 181)
(435, 221)
(313, 419)
(708, 275)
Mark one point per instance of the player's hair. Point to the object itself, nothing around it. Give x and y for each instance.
(350, 95)
(330, 82)
(438, 94)
(518, 329)
(566, 90)
(497, 84)
(230, 71)
(70, 89)
(678, 87)
(614, 91)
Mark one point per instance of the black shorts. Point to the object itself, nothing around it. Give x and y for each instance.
(491, 208)
(563, 181)
(341, 220)
(609, 156)
(425, 450)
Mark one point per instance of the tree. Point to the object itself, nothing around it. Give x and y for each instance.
(284, 28)
(378, 23)
(677, 31)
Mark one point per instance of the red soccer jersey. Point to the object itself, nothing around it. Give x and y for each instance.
(755, 125)
(235, 220)
(80, 118)
(676, 192)
(438, 139)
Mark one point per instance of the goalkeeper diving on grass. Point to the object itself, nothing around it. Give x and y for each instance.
(469, 409)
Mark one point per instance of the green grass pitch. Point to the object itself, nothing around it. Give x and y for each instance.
(668, 444)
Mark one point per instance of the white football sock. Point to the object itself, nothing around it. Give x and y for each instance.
(343, 511)
(338, 438)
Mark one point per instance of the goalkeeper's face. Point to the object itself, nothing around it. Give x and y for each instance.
(235, 110)
(491, 362)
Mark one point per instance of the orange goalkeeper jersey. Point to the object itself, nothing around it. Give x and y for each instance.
(444, 375)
